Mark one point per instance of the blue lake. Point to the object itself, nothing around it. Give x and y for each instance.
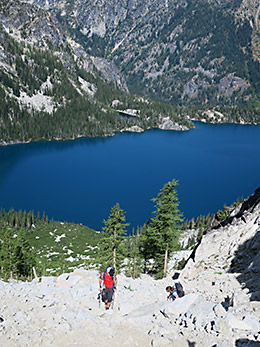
(80, 181)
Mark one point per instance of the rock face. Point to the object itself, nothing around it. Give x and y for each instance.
(167, 124)
(231, 248)
(39, 28)
(174, 50)
(134, 129)
(221, 306)
(225, 269)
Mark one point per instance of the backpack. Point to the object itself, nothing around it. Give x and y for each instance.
(180, 290)
(108, 281)
(173, 295)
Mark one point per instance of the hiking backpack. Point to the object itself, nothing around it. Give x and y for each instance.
(108, 281)
(180, 290)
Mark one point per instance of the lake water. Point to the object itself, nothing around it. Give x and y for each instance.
(80, 181)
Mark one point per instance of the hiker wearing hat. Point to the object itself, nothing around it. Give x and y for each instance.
(109, 285)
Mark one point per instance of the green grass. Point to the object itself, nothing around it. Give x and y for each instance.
(60, 247)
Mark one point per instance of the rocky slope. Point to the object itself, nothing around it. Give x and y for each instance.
(52, 89)
(250, 10)
(221, 306)
(33, 26)
(186, 52)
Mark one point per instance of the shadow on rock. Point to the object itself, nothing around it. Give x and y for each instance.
(247, 343)
(246, 262)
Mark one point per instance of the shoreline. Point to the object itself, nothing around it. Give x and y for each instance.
(4, 143)
(176, 128)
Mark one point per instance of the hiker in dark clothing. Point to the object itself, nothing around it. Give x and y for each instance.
(109, 285)
(172, 293)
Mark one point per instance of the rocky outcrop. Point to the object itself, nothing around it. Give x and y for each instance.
(134, 129)
(232, 83)
(167, 124)
(225, 268)
(221, 306)
(39, 28)
(65, 311)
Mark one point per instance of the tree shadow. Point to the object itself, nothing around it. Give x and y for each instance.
(246, 261)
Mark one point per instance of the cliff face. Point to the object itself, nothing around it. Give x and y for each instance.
(225, 268)
(177, 50)
(230, 249)
(31, 25)
(250, 11)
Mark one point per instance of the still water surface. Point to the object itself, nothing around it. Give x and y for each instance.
(80, 181)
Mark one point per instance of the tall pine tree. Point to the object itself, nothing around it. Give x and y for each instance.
(113, 232)
(165, 223)
(160, 235)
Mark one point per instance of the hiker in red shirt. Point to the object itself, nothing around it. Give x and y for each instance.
(109, 285)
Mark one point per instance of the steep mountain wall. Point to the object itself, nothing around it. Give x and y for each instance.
(52, 89)
(232, 249)
(186, 52)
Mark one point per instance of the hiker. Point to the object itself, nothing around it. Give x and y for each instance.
(172, 293)
(109, 286)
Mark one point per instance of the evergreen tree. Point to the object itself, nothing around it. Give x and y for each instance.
(148, 244)
(113, 232)
(24, 257)
(133, 254)
(16, 255)
(7, 253)
(164, 232)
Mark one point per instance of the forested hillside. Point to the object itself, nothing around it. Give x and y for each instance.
(183, 52)
(30, 240)
(65, 73)
(52, 89)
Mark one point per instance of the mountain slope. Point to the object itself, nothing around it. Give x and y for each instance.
(221, 306)
(185, 52)
(52, 89)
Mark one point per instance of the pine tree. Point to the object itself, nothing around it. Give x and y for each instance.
(133, 254)
(160, 236)
(148, 244)
(16, 255)
(113, 232)
(24, 257)
(167, 217)
(7, 252)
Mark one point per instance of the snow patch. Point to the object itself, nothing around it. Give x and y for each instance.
(71, 259)
(51, 254)
(59, 237)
